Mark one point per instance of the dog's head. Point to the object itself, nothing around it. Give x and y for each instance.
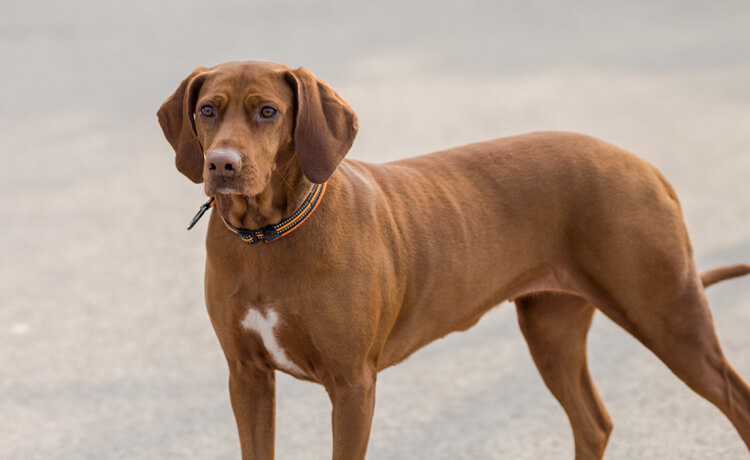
(233, 125)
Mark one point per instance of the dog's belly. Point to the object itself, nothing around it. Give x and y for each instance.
(411, 334)
(559, 280)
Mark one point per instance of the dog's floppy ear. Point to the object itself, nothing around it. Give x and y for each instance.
(177, 122)
(325, 126)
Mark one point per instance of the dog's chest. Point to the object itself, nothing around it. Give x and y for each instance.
(266, 324)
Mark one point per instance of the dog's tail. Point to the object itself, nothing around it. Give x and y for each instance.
(716, 275)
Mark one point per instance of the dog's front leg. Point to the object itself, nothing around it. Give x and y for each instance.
(353, 406)
(252, 393)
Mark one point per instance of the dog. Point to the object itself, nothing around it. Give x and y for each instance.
(331, 270)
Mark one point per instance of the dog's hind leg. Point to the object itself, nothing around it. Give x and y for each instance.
(676, 325)
(555, 327)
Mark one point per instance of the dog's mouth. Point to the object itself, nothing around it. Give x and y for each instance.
(233, 186)
(225, 185)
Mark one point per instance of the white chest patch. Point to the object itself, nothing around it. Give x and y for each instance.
(264, 325)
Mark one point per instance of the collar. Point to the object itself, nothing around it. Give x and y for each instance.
(273, 231)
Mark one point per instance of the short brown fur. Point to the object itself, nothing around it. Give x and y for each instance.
(400, 254)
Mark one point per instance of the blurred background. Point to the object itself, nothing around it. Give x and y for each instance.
(106, 350)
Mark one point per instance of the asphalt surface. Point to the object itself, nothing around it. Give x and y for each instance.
(106, 351)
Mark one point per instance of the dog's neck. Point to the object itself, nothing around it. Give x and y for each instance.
(285, 191)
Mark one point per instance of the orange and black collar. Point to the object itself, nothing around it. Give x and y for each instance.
(275, 231)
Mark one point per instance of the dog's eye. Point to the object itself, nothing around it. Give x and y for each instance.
(208, 111)
(268, 112)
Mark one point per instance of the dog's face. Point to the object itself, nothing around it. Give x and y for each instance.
(234, 125)
(244, 119)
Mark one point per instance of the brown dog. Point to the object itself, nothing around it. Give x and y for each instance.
(381, 260)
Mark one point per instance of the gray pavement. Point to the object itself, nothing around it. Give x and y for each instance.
(106, 351)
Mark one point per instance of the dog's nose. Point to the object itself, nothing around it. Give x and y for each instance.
(225, 163)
